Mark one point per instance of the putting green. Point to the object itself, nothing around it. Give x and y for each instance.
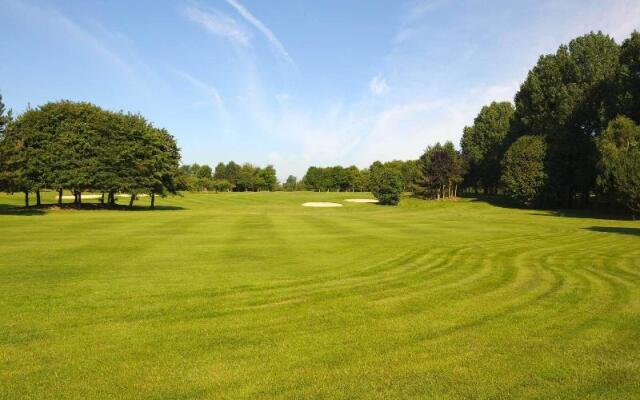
(240, 295)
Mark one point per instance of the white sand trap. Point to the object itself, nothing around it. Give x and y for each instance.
(84, 196)
(361, 200)
(128, 195)
(321, 204)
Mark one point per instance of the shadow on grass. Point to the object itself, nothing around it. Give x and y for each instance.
(615, 229)
(596, 211)
(6, 209)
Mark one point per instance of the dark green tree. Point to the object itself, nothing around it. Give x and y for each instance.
(629, 78)
(483, 145)
(386, 184)
(524, 175)
(619, 166)
(290, 184)
(568, 98)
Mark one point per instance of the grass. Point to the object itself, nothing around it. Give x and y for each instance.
(250, 295)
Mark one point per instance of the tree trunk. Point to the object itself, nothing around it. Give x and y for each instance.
(133, 197)
(59, 196)
(38, 203)
(79, 197)
(26, 199)
(102, 198)
(153, 200)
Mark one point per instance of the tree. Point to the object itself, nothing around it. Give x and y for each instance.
(483, 145)
(290, 184)
(386, 184)
(79, 147)
(524, 175)
(568, 98)
(267, 178)
(441, 171)
(619, 166)
(220, 171)
(204, 172)
(6, 116)
(629, 78)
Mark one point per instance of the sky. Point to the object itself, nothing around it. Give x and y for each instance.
(291, 83)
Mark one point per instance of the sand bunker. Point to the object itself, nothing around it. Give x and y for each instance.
(361, 200)
(84, 196)
(321, 204)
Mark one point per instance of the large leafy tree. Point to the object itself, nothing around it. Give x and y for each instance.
(619, 166)
(568, 98)
(79, 147)
(524, 175)
(483, 145)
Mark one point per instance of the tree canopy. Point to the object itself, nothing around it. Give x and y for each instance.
(79, 147)
(523, 173)
(619, 166)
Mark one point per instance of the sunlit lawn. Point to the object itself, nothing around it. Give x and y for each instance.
(250, 295)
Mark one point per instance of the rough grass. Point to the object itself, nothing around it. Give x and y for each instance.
(251, 295)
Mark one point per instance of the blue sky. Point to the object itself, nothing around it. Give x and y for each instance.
(291, 83)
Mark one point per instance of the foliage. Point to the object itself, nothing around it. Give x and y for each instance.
(79, 147)
(523, 173)
(619, 166)
(441, 171)
(386, 184)
(229, 177)
(483, 145)
(567, 99)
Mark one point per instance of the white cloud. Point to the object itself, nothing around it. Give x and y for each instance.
(212, 94)
(271, 37)
(54, 18)
(378, 85)
(219, 24)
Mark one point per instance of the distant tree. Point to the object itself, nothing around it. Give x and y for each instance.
(290, 184)
(247, 177)
(221, 185)
(313, 179)
(386, 184)
(232, 174)
(220, 171)
(441, 171)
(483, 145)
(619, 166)
(523, 169)
(204, 172)
(267, 177)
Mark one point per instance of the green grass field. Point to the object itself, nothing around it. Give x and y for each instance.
(252, 296)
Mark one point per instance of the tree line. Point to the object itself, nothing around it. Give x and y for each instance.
(572, 135)
(228, 177)
(78, 147)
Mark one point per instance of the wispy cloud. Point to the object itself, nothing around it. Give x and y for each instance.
(211, 93)
(49, 16)
(259, 25)
(378, 85)
(219, 24)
